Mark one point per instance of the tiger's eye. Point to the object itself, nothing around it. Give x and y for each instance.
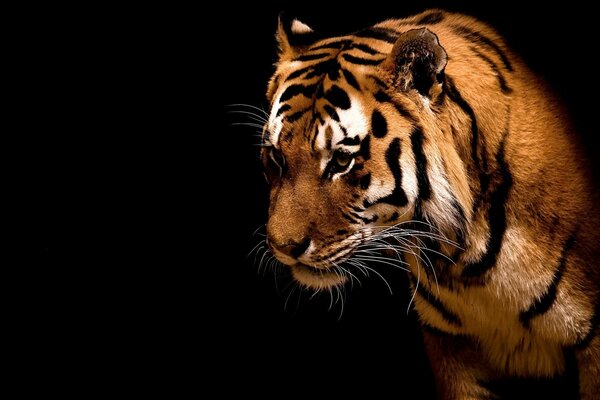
(342, 159)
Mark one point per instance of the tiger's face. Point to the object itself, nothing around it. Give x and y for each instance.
(343, 147)
(334, 178)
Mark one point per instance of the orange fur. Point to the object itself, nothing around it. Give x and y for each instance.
(520, 199)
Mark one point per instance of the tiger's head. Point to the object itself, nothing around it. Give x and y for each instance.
(351, 121)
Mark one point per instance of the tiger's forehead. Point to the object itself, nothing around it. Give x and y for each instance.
(324, 126)
(321, 95)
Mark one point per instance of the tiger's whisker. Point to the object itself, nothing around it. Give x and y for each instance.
(250, 114)
(251, 124)
(249, 106)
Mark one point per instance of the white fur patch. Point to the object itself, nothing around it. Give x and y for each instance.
(275, 124)
(442, 199)
(300, 27)
(353, 119)
(409, 172)
(338, 134)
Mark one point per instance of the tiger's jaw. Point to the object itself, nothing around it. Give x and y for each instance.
(323, 267)
(318, 278)
(319, 272)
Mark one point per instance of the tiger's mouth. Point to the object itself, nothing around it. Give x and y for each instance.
(323, 272)
(318, 278)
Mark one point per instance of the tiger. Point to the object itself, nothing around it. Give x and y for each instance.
(428, 136)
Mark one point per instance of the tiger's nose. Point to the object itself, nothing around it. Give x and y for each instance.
(292, 248)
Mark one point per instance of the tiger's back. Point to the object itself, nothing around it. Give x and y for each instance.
(444, 126)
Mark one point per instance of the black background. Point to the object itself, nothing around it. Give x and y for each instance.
(157, 206)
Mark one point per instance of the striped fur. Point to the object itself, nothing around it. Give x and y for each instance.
(432, 124)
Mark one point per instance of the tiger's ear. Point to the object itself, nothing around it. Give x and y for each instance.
(292, 36)
(417, 61)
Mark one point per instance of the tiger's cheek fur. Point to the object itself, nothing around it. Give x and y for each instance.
(302, 206)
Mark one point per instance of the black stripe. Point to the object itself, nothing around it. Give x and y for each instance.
(331, 112)
(404, 112)
(392, 157)
(287, 136)
(332, 45)
(365, 181)
(387, 35)
(363, 219)
(393, 217)
(357, 209)
(283, 109)
(299, 72)
(361, 61)
(437, 332)
(448, 316)
(334, 73)
(456, 97)
(350, 141)
(338, 98)
(462, 220)
(478, 38)
(543, 304)
(454, 132)
(276, 80)
(365, 148)
(501, 80)
(294, 90)
(349, 218)
(355, 215)
(309, 57)
(378, 81)
(312, 132)
(328, 137)
(439, 100)
(320, 91)
(438, 261)
(594, 325)
(484, 183)
(319, 117)
(297, 115)
(350, 79)
(431, 18)
(496, 217)
(329, 67)
(378, 124)
(383, 97)
(416, 140)
(363, 47)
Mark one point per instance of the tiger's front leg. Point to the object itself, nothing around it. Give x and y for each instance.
(457, 366)
(588, 360)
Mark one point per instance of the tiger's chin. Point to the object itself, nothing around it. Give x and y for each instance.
(317, 278)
